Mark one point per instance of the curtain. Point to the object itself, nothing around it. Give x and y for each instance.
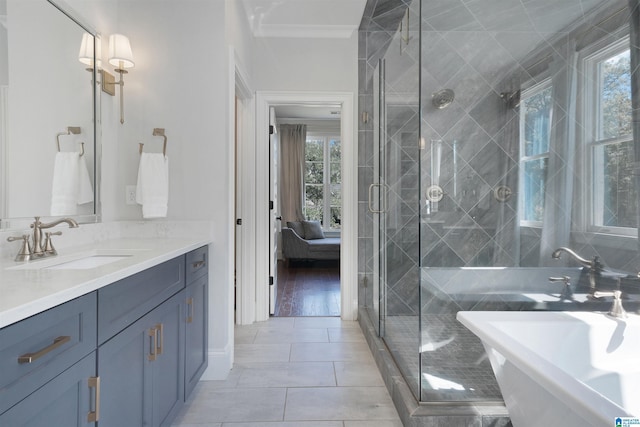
(292, 143)
(556, 225)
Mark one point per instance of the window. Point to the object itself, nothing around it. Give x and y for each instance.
(322, 180)
(609, 139)
(535, 127)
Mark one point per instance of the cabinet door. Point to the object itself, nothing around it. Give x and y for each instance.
(167, 382)
(124, 369)
(142, 369)
(196, 318)
(64, 401)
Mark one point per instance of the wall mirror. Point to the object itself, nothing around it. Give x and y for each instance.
(48, 112)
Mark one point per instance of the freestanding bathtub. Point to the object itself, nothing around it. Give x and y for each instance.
(562, 368)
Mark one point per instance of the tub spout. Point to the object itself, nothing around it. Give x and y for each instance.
(585, 263)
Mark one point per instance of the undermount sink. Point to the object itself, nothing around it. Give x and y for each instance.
(88, 262)
(80, 261)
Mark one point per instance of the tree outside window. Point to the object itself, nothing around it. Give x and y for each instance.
(614, 196)
(535, 129)
(323, 181)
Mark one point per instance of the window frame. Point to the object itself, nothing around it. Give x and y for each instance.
(591, 81)
(326, 138)
(529, 92)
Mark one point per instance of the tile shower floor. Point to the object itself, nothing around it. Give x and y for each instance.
(296, 371)
(454, 364)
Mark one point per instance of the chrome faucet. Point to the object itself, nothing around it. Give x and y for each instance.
(594, 265)
(46, 248)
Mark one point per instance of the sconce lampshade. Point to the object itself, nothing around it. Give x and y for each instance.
(120, 54)
(85, 55)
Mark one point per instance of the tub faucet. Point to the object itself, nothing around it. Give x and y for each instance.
(594, 266)
(41, 249)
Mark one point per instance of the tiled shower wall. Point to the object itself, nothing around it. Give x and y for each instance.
(470, 226)
(378, 27)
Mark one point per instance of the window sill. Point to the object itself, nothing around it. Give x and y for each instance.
(629, 243)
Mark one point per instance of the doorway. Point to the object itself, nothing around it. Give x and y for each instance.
(308, 172)
(348, 247)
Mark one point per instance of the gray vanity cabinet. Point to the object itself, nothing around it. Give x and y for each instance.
(46, 368)
(125, 355)
(197, 297)
(141, 353)
(141, 369)
(68, 400)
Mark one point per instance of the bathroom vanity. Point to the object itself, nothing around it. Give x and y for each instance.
(117, 344)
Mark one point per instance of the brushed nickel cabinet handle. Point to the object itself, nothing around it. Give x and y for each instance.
(160, 328)
(190, 310)
(94, 416)
(198, 264)
(153, 334)
(32, 357)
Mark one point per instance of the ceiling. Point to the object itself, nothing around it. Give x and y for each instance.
(304, 18)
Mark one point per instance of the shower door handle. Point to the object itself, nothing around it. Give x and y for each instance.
(383, 204)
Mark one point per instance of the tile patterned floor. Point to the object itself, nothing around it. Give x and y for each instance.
(295, 372)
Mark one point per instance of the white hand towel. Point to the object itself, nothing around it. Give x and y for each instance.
(85, 191)
(152, 191)
(71, 185)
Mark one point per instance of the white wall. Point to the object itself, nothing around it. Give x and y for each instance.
(239, 37)
(302, 64)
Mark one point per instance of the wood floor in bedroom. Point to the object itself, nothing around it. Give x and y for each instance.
(308, 289)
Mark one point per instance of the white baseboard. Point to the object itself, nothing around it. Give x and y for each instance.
(220, 364)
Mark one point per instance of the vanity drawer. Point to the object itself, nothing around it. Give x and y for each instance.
(125, 301)
(36, 350)
(197, 263)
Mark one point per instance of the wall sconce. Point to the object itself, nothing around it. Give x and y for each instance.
(121, 57)
(85, 55)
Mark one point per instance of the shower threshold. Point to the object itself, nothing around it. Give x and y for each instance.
(427, 414)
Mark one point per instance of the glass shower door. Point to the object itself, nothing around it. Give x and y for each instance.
(377, 201)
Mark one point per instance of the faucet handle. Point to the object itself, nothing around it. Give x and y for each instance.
(24, 254)
(602, 294)
(48, 244)
(566, 293)
(616, 309)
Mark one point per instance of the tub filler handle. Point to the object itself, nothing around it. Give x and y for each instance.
(617, 310)
(566, 293)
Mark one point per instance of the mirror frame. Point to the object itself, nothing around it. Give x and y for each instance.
(7, 224)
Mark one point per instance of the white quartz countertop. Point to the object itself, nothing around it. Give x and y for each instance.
(26, 290)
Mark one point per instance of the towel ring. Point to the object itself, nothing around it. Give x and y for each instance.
(157, 132)
(71, 130)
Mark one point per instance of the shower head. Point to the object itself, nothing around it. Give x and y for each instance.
(442, 98)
